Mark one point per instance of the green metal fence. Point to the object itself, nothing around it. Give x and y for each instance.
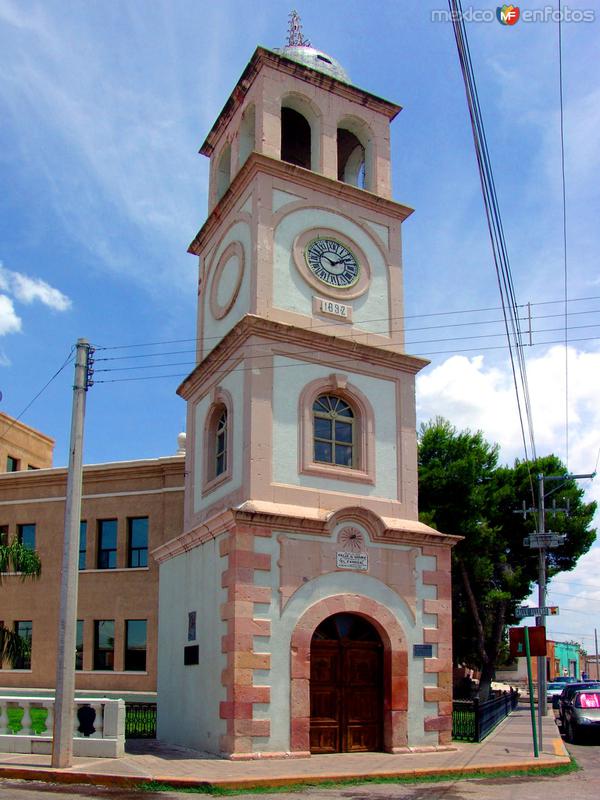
(473, 720)
(140, 720)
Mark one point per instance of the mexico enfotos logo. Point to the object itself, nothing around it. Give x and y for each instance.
(509, 15)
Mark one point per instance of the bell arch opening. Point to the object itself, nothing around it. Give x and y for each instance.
(247, 135)
(350, 159)
(296, 144)
(224, 171)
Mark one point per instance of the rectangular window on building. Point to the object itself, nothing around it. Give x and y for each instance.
(12, 464)
(3, 534)
(107, 544)
(82, 543)
(26, 535)
(137, 542)
(135, 645)
(24, 629)
(104, 644)
(79, 645)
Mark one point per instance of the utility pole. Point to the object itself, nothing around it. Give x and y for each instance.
(541, 620)
(597, 664)
(542, 540)
(62, 739)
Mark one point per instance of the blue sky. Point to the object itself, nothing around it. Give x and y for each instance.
(104, 105)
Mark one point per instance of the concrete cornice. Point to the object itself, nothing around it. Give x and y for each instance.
(198, 536)
(308, 340)
(10, 423)
(263, 57)
(44, 480)
(297, 519)
(257, 164)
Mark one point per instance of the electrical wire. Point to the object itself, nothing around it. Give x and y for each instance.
(355, 335)
(68, 360)
(386, 319)
(300, 364)
(250, 357)
(497, 238)
(564, 226)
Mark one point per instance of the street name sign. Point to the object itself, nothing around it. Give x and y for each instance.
(542, 611)
(544, 539)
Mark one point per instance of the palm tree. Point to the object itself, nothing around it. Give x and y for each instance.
(17, 559)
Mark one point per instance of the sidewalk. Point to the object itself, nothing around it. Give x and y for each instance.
(508, 748)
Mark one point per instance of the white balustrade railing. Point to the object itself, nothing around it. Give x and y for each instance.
(26, 725)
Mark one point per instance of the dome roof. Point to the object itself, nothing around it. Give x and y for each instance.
(315, 59)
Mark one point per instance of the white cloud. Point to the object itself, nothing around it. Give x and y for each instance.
(9, 321)
(473, 395)
(27, 290)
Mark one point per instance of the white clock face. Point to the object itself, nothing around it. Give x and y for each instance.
(332, 262)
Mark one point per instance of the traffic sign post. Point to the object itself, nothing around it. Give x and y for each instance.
(536, 751)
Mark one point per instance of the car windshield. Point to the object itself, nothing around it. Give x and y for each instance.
(588, 700)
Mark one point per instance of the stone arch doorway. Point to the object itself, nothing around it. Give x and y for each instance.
(346, 686)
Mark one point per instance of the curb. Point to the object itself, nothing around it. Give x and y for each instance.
(131, 781)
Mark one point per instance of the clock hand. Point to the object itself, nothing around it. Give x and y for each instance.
(333, 263)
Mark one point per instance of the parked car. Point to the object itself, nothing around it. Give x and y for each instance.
(581, 713)
(565, 697)
(553, 690)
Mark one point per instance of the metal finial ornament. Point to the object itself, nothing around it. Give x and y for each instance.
(295, 35)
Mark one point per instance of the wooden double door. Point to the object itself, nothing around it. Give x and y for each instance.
(346, 686)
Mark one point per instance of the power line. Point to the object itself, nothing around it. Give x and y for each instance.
(496, 231)
(41, 391)
(291, 356)
(306, 352)
(355, 335)
(564, 226)
(388, 319)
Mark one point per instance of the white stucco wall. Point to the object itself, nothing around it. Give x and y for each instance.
(234, 384)
(288, 384)
(189, 696)
(290, 291)
(282, 626)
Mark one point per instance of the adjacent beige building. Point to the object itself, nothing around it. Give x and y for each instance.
(128, 509)
(22, 447)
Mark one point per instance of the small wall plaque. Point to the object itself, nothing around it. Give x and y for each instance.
(351, 560)
(422, 651)
(191, 655)
(331, 308)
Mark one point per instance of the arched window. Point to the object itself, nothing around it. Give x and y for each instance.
(334, 431)
(295, 138)
(337, 431)
(217, 441)
(220, 444)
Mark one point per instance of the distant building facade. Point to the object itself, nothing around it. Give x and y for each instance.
(22, 447)
(128, 509)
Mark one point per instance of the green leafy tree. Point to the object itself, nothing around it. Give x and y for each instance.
(18, 559)
(463, 490)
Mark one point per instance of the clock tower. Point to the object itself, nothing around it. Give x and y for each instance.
(304, 609)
